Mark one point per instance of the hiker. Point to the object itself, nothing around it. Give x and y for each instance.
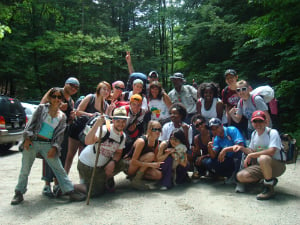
(265, 159)
(223, 161)
(185, 94)
(44, 135)
(70, 88)
(111, 146)
(143, 163)
(246, 106)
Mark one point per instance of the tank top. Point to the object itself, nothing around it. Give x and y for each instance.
(212, 111)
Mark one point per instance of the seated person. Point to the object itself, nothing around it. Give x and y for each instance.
(223, 160)
(265, 155)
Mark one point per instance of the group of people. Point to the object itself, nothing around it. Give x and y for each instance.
(151, 135)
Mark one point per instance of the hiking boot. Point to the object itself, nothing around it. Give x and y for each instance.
(195, 175)
(267, 193)
(47, 191)
(110, 185)
(138, 183)
(17, 199)
(240, 188)
(76, 196)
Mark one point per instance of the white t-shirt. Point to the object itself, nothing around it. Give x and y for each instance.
(107, 149)
(158, 109)
(167, 130)
(270, 138)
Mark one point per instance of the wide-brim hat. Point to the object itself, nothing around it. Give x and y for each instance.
(177, 76)
(120, 113)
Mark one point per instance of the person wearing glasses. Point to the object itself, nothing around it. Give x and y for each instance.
(230, 99)
(265, 157)
(173, 154)
(89, 107)
(246, 107)
(110, 160)
(200, 145)
(67, 106)
(118, 87)
(143, 163)
(224, 161)
(44, 135)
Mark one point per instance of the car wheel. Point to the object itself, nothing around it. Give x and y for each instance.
(5, 147)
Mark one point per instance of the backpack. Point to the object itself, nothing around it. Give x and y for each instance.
(90, 124)
(134, 76)
(289, 147)
(283, 150)
(267, 93)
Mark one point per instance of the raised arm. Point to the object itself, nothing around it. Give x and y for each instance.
(129, 63)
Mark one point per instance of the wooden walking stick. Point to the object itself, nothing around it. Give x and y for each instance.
(94, 169)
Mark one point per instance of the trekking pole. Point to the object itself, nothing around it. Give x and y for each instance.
(94, 169)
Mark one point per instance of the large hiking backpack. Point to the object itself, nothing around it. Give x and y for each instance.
(134, 76)
(289, 147)
(267, 93)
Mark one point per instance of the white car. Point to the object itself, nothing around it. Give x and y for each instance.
(29, 109)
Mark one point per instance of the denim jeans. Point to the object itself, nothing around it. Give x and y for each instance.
(28, 157)
(47, 173)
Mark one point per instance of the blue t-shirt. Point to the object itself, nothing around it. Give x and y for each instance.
(232, 136)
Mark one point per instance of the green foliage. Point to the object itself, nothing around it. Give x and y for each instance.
(4, 29)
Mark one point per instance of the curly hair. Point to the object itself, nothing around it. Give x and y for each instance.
(213, 86)
(180, 108)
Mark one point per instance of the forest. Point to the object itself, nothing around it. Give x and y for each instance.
(44, 42)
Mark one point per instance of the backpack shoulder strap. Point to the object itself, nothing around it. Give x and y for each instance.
(191, 92)
(253, 99)
(126, 96)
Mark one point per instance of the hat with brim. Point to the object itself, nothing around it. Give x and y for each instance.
(153, 74)
(214, 122)
(177, 76)
(258, 115)
(120, 113)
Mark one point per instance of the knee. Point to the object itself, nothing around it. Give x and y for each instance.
(242, 176)
(149, 157)
(264, 160)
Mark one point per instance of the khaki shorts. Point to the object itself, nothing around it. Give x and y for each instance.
(278, 169)
(98, 186)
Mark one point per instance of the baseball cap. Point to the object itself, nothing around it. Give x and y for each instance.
(258, 114)
(138, 81)
(177, 76)
(230, 71)
(120, 113)
(72, 80)
(153, 74)
(137, 98)
(214, 122)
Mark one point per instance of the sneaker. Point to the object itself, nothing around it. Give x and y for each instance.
(17, 199)
(195, 175)
(57, 191)
(47, 191)
(267, 193)
(76, 196)
(163, 188)
(240, 188)
(231, 180)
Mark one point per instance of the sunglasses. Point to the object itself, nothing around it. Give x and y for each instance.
(257, 121)
(241, 89)
(56, 96)
(153, 129)
(119, 88)
(198, 124)
(74, 86)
